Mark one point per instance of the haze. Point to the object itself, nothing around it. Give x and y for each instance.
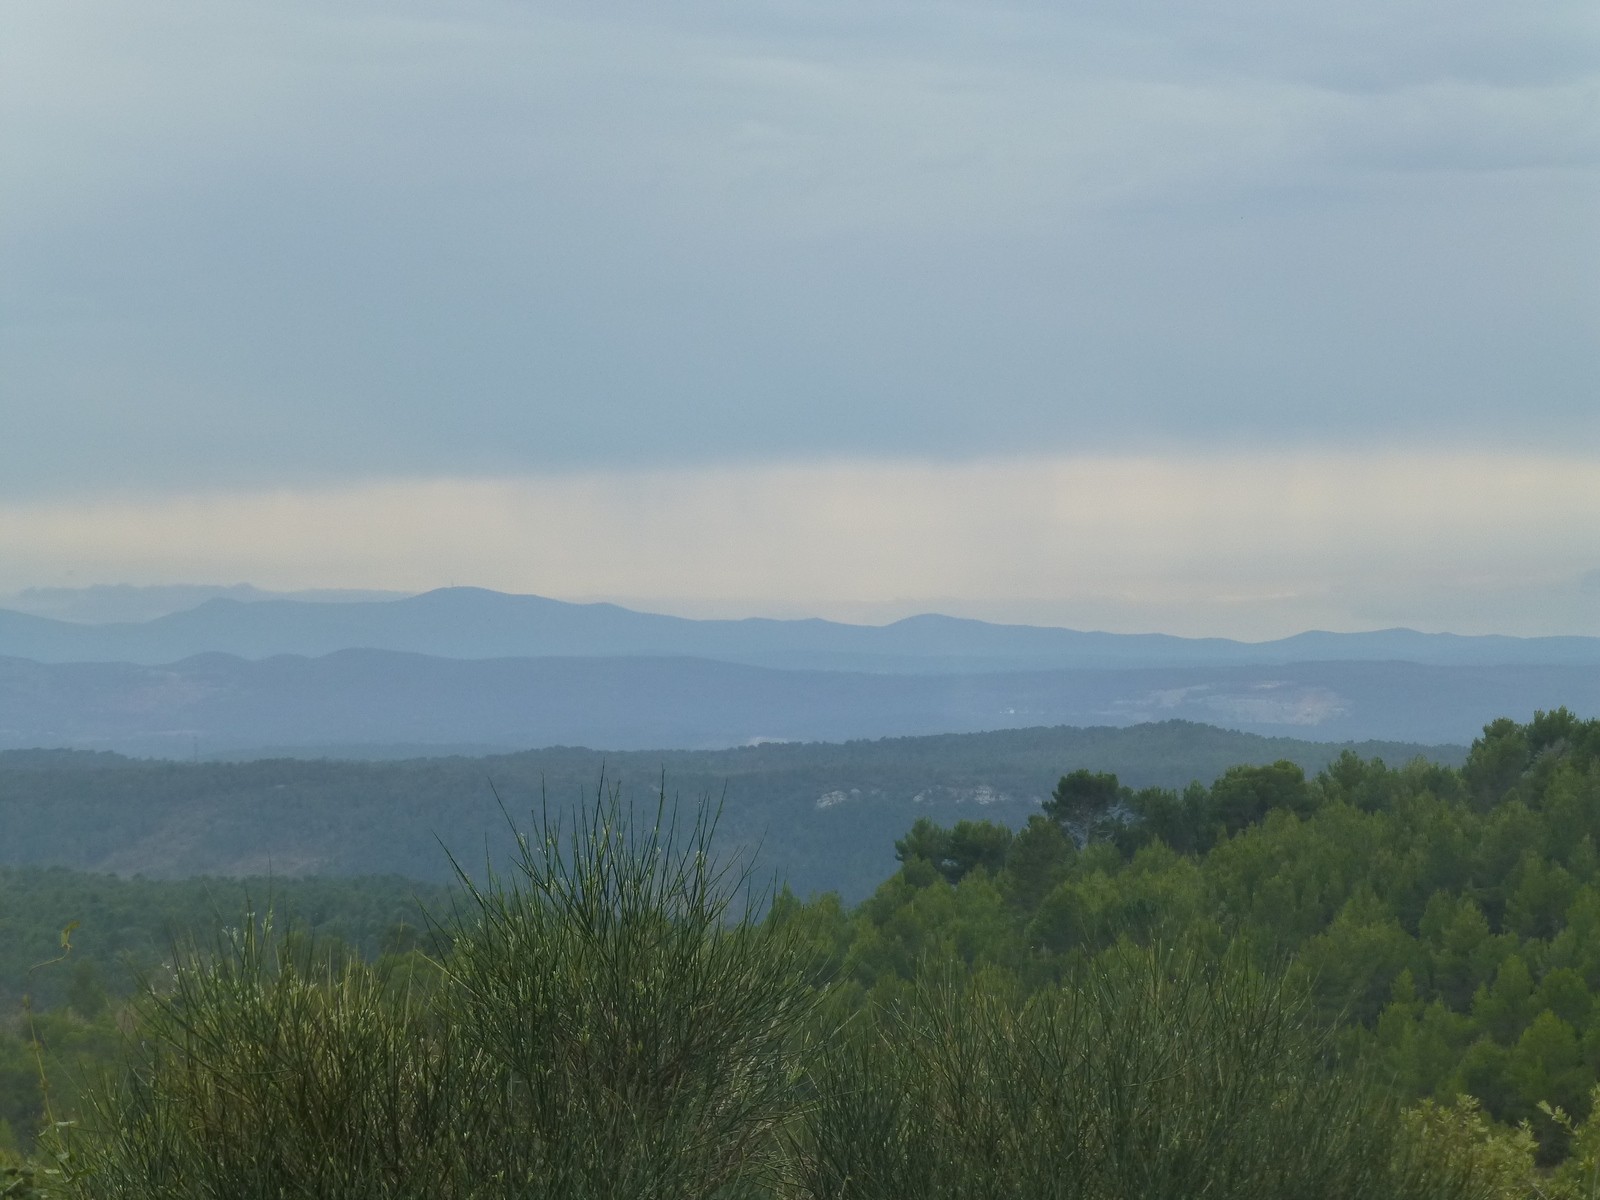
(1226, 319)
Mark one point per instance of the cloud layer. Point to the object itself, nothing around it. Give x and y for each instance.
(1222, 317)
(277, 244)
(1248, 546)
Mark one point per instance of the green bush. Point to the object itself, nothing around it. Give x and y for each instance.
(1150, 1075)
(610, 1021)
(645, 1044)
(263, 1072)
(600, 1029)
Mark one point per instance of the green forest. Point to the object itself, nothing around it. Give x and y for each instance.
(1369, 980)
(823, 817)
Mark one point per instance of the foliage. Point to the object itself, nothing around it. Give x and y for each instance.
(126, 927)
(1456, 1136)
(264, 1072)
(1230, 990)
(1453, 928)
(1083, 800)
(597, 1030)
(1149, 1074)
(825, 816)
(958, 851)
(642, 1043)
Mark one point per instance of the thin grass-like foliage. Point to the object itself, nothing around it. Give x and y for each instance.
(647, 1041)
(604, 1029)
(1151, 1076)
(263, 1072)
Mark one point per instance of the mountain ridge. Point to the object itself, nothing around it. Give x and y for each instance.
(478, 623)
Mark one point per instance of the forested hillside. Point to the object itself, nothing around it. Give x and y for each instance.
(121, 929)
(1450, 918)
(1442, 923)
(823, 816)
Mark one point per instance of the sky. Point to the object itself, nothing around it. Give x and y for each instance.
(1220, 318)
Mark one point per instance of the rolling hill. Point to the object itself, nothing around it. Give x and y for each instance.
(824, 816)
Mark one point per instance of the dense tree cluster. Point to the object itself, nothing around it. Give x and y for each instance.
(1418, 935)
(1449, 918)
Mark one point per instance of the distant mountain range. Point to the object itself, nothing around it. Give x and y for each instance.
(473, 623)
(103, 603)
(344, 702)
(464, 667)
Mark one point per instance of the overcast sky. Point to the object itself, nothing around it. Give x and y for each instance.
(1225, 317)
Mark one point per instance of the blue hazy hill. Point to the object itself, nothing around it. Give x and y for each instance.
(479, 624)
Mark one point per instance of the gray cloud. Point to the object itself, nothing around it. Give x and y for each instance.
(246, 245)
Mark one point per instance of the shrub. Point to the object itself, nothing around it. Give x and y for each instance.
(1150, 1075)
(646, 1044)
(263, 1073)
(600, 1029)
